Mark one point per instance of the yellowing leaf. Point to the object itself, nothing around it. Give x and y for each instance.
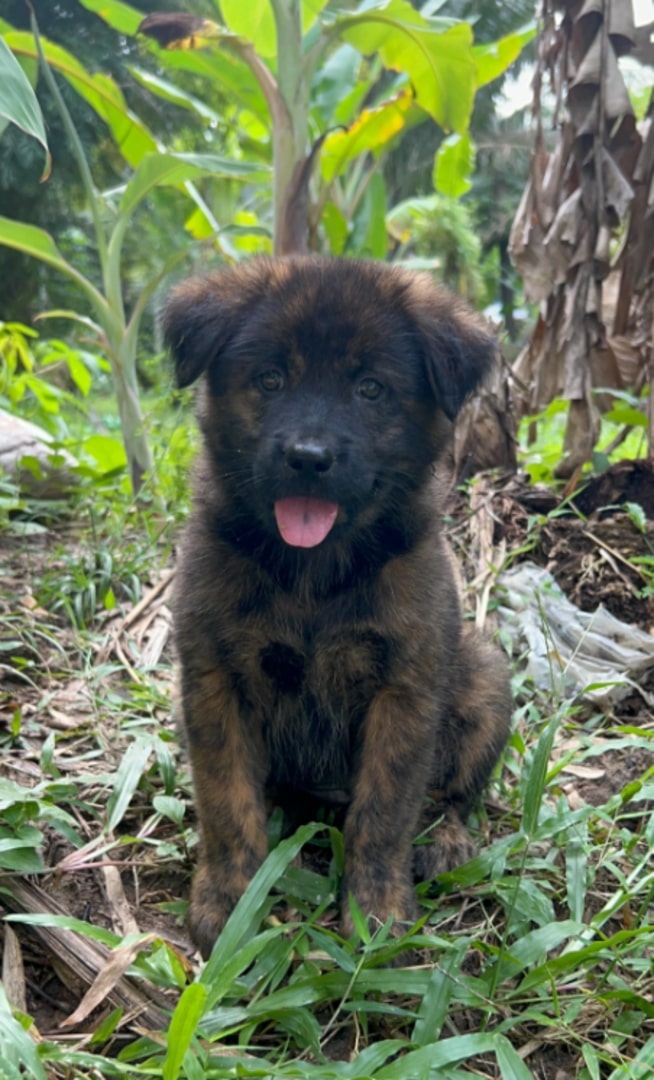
(372, 129)
(436, 54)
(180, 31)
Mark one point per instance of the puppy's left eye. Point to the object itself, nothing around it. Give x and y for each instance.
(371, 389)
(271, 381)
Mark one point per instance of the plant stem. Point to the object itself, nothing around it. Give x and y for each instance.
(291, 135)
(138, 452)
(75, 142)
(121, 340)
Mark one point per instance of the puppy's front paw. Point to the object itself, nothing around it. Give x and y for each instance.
(210, 906)
(379, 902)
(451, 845)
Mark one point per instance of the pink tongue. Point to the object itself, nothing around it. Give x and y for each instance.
(304, 522)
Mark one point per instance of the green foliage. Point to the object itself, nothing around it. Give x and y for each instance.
(99, 91)
(21, 808)
(18, 102)
(353, 194)
(544, 939)
(115, 329)
(292, 60)
(265, 986)
(20, 1056)
(441, 229)
(540, 437)
(435, 53)
(49, 382)
(59, 206)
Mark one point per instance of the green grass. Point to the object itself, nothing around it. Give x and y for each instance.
(543, 941)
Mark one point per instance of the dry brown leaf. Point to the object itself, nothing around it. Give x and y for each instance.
(156, 643)
(122, 918)
(618, 192)
(120, 959)
(65, 721)
(75, 693)
(600, 177)
(13, 973)
(584, 772)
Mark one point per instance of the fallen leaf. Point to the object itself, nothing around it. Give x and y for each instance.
(121, 958)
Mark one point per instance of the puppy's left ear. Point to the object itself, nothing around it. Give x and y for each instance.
(458, 347)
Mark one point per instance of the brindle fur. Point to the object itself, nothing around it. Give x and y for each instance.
(343, 667)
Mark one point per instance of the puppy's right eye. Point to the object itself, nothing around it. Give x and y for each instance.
(271, 381)
(371, 389)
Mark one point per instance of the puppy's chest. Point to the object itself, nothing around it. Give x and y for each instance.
(312, 692)
(325, 654)
(339, 665)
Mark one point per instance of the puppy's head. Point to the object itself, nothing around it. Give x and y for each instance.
(330, 386)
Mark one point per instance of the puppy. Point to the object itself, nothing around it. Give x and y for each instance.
(317, 619)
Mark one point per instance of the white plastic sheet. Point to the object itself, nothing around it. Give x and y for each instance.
(573, 652)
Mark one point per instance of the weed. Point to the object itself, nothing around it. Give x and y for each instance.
(540, 437)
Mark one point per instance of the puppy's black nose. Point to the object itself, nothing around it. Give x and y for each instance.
(309, 456)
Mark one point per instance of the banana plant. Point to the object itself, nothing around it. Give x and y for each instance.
(274, 56)
(116, 328)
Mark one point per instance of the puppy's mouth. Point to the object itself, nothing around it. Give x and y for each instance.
(304, 522)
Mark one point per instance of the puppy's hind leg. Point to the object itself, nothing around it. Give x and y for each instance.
(471, 738)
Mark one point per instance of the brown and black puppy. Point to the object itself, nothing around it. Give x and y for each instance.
(317, 618)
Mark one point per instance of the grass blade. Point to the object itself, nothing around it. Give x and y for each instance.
(435, 1003)
(127, 779)
(639, 1068)
(417, 1064)
(182, 1028)
(535, 784)
(576, 865)
(246, 916)
(17, 1048)
(512, 1067)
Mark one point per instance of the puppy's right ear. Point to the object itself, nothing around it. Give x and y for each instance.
(199, 319)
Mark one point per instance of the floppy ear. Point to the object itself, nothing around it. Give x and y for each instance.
(458, 347)
(200, 317)
(458, 359)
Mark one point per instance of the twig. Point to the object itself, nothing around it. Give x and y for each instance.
(615, 554)
(146, 600)
(84, 958)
